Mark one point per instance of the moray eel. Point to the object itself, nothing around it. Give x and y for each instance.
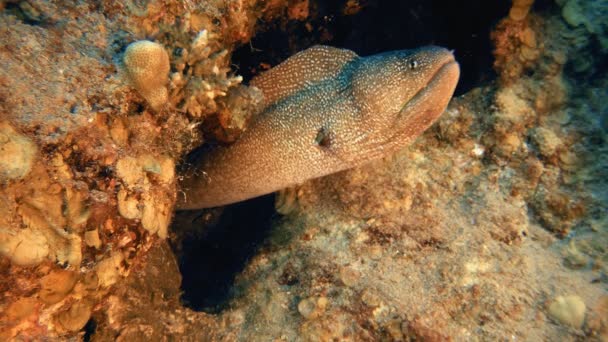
(325, 110)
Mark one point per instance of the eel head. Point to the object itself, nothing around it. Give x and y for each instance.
(401, 93)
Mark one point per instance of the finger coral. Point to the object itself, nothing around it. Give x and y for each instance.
(147, 66)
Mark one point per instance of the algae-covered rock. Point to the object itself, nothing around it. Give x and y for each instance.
(462, 236)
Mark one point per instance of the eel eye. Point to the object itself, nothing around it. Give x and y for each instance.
(413, 64)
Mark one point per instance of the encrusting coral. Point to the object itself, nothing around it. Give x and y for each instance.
(147, 66)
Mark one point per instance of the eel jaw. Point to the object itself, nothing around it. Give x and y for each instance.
(428, 104)
(446, 77)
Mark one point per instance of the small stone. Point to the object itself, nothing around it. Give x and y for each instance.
(568, 310)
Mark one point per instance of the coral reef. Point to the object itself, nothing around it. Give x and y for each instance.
(147, 66)
(491, 226)
(87, 168)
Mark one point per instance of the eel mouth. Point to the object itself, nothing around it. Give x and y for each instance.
(428, 104)
(439, 88)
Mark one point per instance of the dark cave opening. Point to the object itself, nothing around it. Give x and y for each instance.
(378, 26)
(213, 246)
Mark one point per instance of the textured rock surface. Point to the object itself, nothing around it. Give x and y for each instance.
(473, 232)
(87, 166)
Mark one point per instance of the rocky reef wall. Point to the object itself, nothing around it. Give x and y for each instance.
(492, 225)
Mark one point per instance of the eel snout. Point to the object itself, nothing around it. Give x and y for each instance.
(437, 91)
(431, 100)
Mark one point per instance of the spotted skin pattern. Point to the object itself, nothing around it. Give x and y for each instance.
(326, 110)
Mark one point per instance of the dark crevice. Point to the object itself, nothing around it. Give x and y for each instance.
(463, 26)
(89, 330)
(214, 246)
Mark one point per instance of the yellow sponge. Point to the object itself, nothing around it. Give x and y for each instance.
(147, 66)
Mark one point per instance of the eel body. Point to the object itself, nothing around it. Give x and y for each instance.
(326, 110)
